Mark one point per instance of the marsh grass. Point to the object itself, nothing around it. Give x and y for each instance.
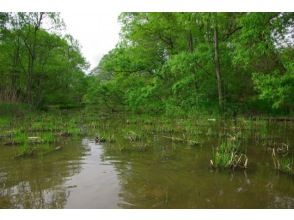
(37, 134)
(183, 139)
(4, 122)
(283, 163)
(107, 137)
(32, 146)
(20, 137)
(286, 165)
(137, 133)
(129, 147)
(48, 138)
(29, 150)
(229, 154)
(133, 136)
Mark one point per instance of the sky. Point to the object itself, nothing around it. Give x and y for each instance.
(97, 33)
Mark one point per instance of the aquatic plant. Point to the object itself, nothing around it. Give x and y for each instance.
(37, 126)
(4, 121)
(19, 137)
(26, 150)
(228, 155)
(48, 138)
(73, 131)
(132, 136)
(138, 147)
(286, 165)
(108, 137)
(183, 139)
(193, 142)
(283, 163)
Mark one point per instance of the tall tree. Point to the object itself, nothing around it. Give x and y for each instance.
(38, 66)
(179, 62)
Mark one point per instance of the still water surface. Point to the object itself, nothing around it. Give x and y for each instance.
(89, 175)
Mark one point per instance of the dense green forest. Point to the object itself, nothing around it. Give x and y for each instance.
(39, 66)
(188, 110)
(164, 63)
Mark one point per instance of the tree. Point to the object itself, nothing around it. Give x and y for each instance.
(183, 62)
(38, 66)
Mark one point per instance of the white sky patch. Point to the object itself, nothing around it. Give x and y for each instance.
(97, 33)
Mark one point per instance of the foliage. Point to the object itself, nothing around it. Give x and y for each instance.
(165, 63)
(37, 66)
(228, 155)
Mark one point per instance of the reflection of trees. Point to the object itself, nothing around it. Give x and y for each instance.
(148, 179)
(39, 182)
(175, 177)
(280, 190)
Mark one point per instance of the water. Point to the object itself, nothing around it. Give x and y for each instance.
(172, 175)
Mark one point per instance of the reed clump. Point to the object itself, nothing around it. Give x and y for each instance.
(229, 155)
(133, 136)
(282, 162)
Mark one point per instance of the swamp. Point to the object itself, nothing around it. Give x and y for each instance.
(123, 161)
(187, 110)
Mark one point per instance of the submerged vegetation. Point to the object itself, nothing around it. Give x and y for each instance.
(38, 132)
(175, 115)
(282, 161)
(230, 139)
(186, 78)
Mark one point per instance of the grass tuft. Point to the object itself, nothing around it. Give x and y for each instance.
(228, 155)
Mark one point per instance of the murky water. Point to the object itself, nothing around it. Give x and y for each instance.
(171, 175)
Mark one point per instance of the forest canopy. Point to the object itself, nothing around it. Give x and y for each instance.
(164, 63)
(39, 66)
(189, 62)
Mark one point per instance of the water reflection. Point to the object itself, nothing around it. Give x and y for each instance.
(181, 178)
(97, 185)
(38, 182)
(171, 175)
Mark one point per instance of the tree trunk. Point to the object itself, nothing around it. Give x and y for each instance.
(15, 72)
(32, 58)
(217, 68)
(29, 79)
(190, 42)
